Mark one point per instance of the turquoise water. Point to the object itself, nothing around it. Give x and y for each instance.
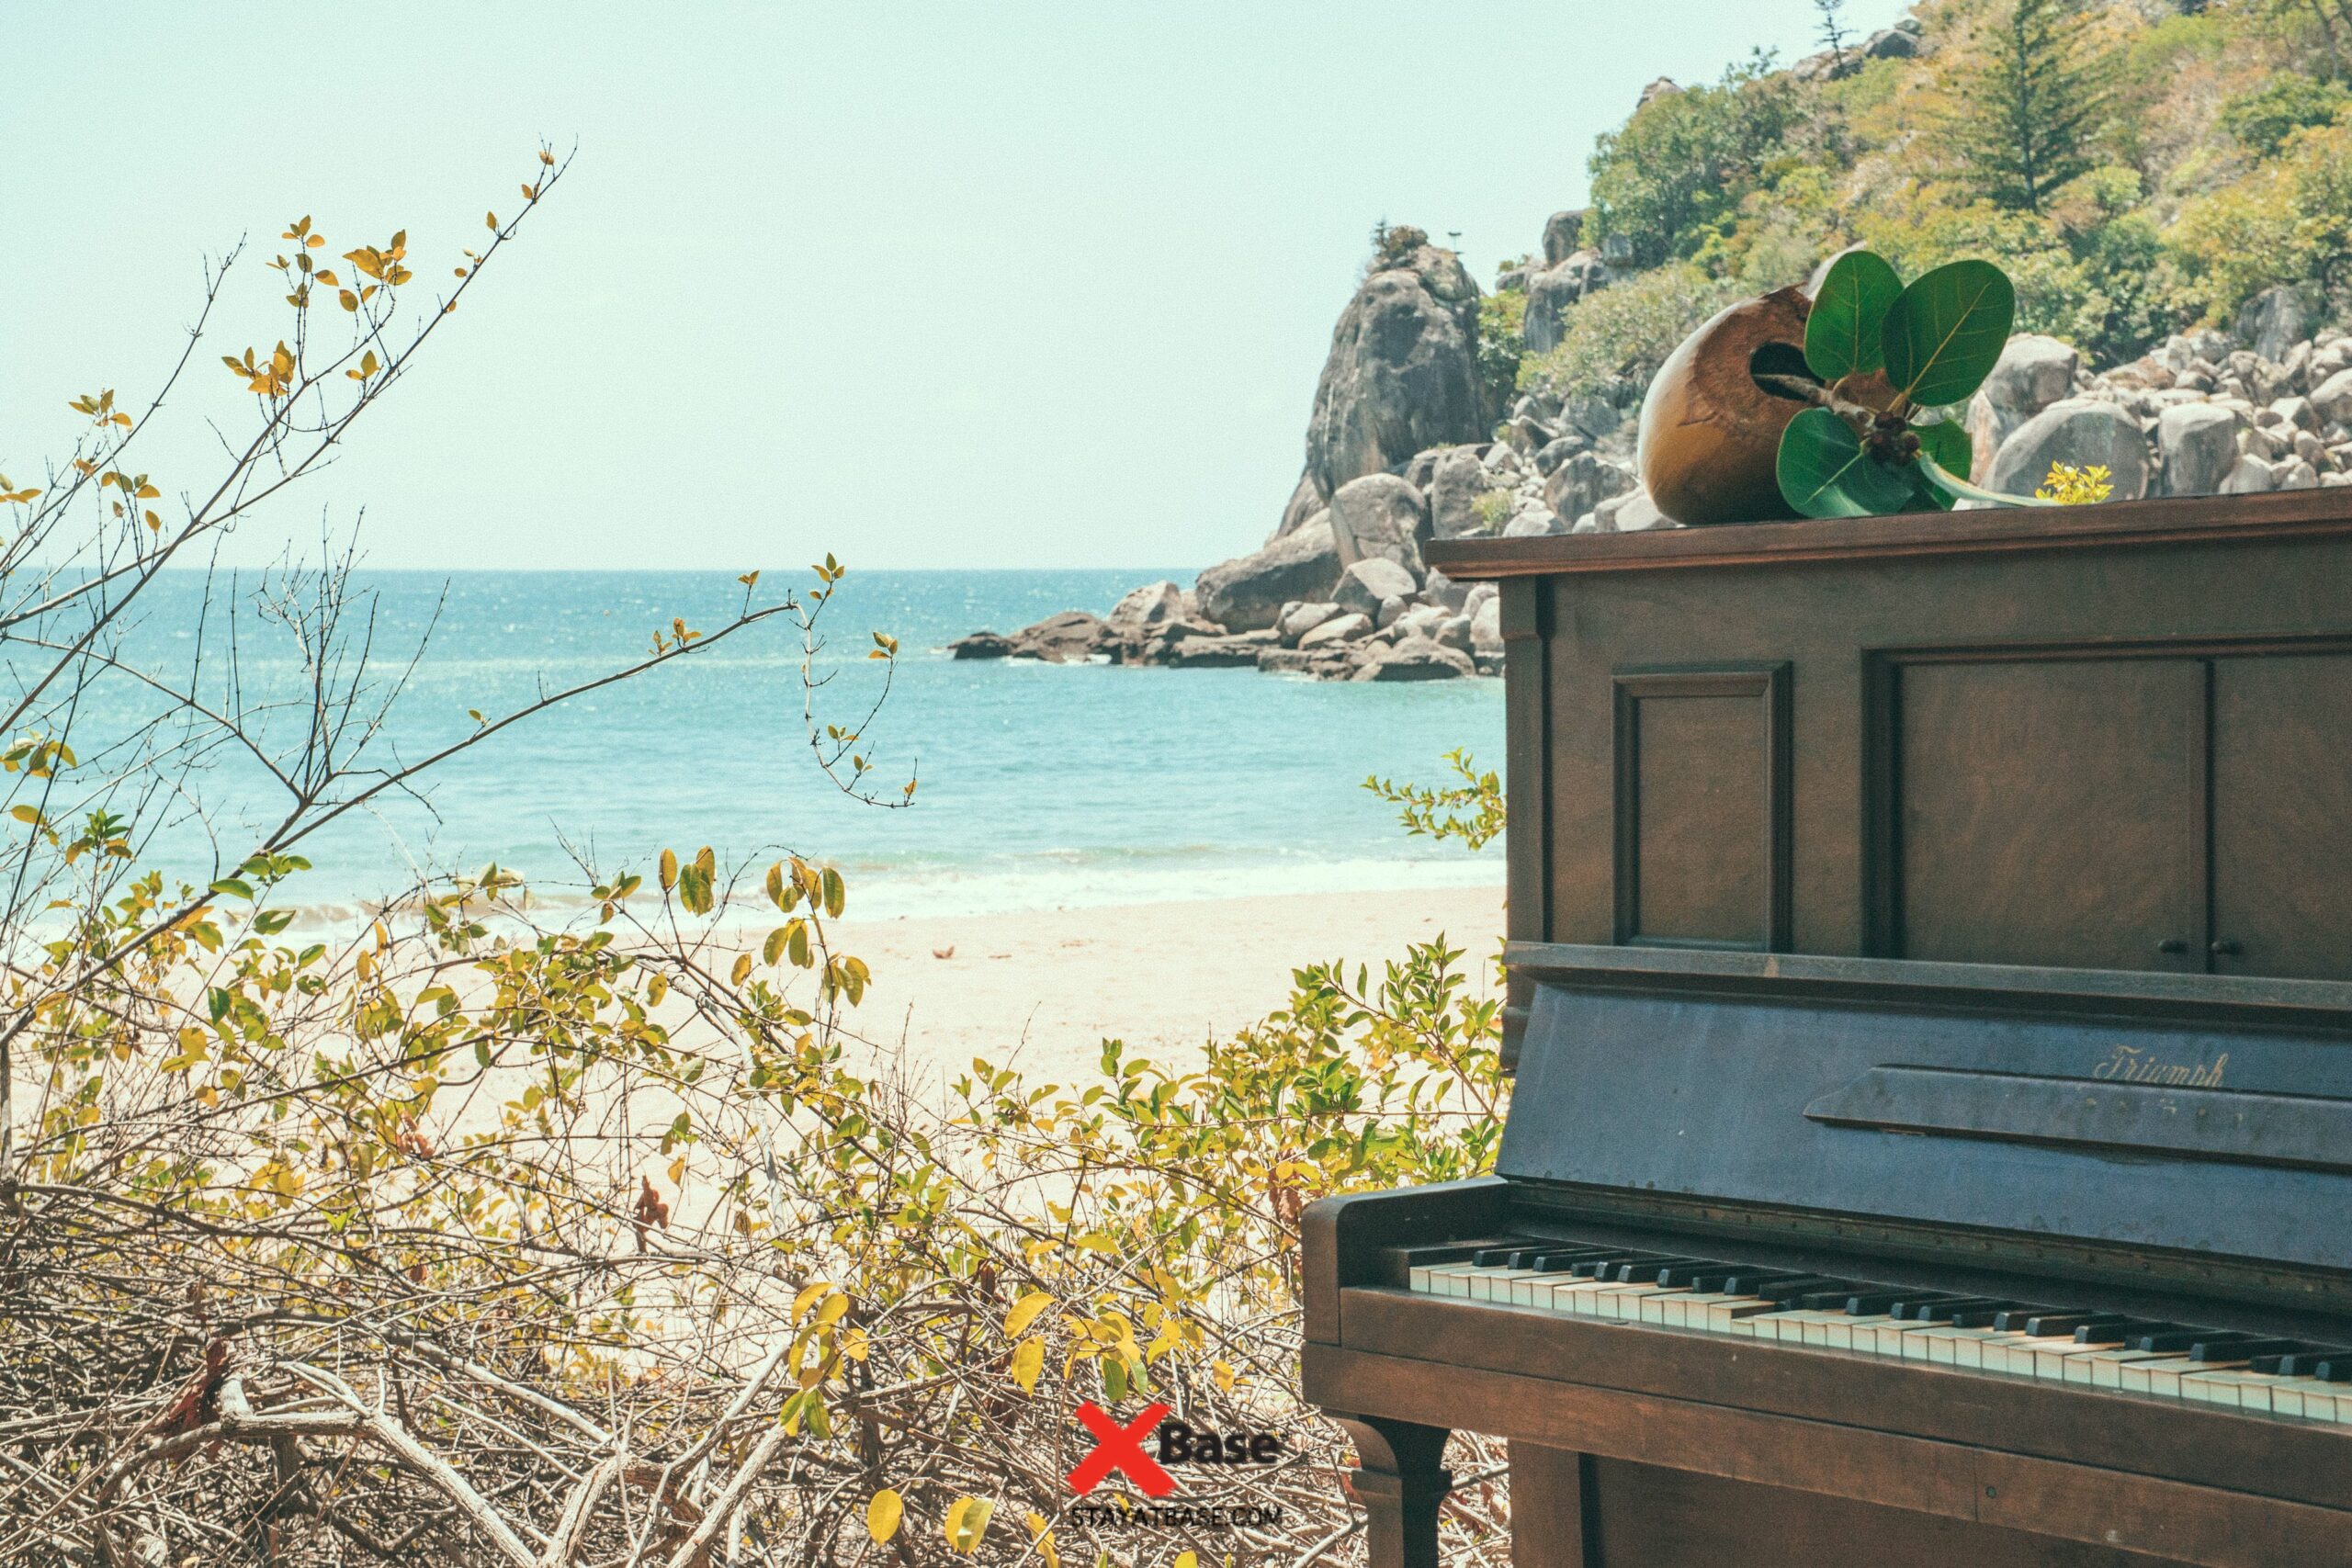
(1041, 786)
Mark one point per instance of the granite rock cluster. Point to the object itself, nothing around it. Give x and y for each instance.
(1399, 452)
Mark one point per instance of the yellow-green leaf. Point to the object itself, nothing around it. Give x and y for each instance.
(668, 870)
(1024, 1312)
(1028, 1361)
(967, 1521)
(883, 1514)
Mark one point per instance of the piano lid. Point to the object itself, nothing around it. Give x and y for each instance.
(2183, 1113)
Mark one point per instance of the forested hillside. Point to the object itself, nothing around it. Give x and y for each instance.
(2138, 167)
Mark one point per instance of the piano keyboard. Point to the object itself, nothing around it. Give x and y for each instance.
(2053, 1344)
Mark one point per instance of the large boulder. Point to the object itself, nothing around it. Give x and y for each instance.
(1561, 233)
(2081, 434)
(1486, 626)
(1456, 482)
(1339, 629)
(2333, 398)
(2276, 320)
(1366, 585)
(1070, 638)
(1552, 291)
(2199, 445)
(981, 645)
(1379, 516)
(2032, 373)
(1305, 502)
(1144, 610)
(1415, 659)
(1246, 594)
(1583, 482)
(1297, 620)
(1402, 374)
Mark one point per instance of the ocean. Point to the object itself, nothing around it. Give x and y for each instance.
(1040, 785)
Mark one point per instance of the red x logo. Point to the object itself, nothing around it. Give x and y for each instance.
(1120, 1447)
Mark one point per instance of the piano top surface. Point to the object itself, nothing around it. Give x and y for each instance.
(2128, 523)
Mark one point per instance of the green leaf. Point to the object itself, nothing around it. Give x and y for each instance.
(1845, 332)
(1946, 444)
(1823, 472)
(269, 922)
(1945, 333)
(233, 887)
(1951, 487)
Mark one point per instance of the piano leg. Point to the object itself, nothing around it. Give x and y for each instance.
(1553, 1524)
(1401, 1485)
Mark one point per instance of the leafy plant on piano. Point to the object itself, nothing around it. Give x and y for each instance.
(1883, 367)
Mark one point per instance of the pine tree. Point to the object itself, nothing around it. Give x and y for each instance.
(2032, 106)
(1831, 31)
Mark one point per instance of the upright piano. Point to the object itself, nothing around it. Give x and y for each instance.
(1930, 999)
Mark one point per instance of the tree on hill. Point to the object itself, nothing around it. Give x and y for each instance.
(2032, 106)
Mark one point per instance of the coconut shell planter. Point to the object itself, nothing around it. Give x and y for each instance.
(1838, 406)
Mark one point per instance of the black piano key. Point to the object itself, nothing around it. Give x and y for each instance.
(1940, 1309)
(2306, 1363)
(2332, 1368)
(1688, 1275)
(1493, 1257)
(1645, 1270)
(2044, 1322)
(2240, 1347)
(1557, 1259)
(2170, 1338)
(1977, 1317)
(2116, 1329)
(1788, 1292)
(1746, 1281)
(1871, 1304)
(1606, 1266)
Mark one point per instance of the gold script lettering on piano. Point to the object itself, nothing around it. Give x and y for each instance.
(2132, 1064)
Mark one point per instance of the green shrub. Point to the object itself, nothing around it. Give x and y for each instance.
(1686, 158)
(2265, 118)
(1625, 330)
(1501, 343)
(2288, 222)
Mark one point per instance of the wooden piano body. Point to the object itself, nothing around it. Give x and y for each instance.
(1960, 906)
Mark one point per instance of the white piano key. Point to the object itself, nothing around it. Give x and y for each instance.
(1535, 1290)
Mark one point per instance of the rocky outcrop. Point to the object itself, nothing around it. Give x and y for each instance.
(2198, 445)
(1379, 516)
(1402, 372)
(981, 645)
(2032, 373)
(1305, 502)
(1561, 233)
(1551, 292)
(2274, 320)
(2081, 434)
(1457, 481)
(1247, 593)
(1399, 453)
(1366, 585)
(2208, 414)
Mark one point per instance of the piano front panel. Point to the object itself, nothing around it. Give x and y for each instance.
(2137, 1133)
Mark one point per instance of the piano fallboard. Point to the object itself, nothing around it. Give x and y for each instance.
(2096, 1119)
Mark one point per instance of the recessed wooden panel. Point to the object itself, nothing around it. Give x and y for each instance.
(2282, 816)
(2050, 812)
(1701, 807)
(1671, 1518)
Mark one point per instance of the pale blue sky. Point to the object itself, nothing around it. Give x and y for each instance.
(957, 285)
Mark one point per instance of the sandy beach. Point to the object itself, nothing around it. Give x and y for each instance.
(1044, 988)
